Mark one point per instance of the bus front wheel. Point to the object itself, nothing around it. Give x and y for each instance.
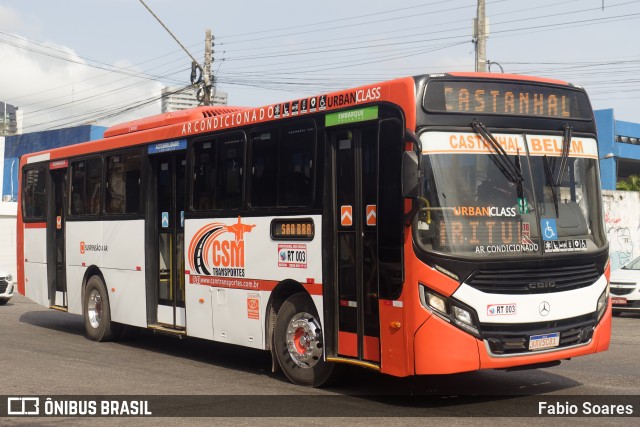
(298, 342)
(97, 312)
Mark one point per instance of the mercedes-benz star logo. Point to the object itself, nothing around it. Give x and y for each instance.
(544, 308)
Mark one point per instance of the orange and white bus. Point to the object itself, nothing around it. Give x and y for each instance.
(425, 225)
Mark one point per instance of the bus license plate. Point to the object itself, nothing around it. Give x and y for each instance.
(538, 342)
(619, 301)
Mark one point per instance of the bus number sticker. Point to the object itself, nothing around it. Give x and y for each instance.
(253, 306)
(501, 309)
(292, 256)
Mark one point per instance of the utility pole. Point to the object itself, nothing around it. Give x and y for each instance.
(208, 58)
(204, 93)
(481, 38)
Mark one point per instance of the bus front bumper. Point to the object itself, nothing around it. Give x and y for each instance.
(441, 348)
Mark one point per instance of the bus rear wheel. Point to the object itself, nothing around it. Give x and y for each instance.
(298, 342)
(97, 312)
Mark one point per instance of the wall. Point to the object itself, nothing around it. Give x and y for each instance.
(8, 260)
(1, 163)
(622, 221)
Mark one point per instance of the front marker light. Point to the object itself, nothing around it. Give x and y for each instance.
(602, 303)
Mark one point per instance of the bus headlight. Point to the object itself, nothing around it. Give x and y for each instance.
(436, 302)
(603, 301)
(451, 311)
(462, 315)
(464, 320)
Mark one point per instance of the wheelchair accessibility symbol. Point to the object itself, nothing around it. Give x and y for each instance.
(549, 229)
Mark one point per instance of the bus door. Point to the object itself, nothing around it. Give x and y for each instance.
(56, 267)
(170, 189)
(356, 240)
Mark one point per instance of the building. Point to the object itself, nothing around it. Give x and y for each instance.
(619, 148)
(10, 119)
(176, 98)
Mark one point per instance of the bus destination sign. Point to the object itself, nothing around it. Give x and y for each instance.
(292, 229)
(508, 98)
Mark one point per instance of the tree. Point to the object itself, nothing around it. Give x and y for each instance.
(631, 183)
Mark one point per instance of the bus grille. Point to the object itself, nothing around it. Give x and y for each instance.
(621, 291)
(514, 339)
(534, 281)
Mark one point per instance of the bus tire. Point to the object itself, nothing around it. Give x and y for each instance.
(97, 312)
(298, 341)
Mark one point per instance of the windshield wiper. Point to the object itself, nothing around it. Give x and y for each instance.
(549, 175)
(499, 156)
(566, 146)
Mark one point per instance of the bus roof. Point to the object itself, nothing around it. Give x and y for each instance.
(168, 119)
(185, 123)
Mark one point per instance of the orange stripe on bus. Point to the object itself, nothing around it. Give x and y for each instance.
(347, 344)
(35, 225)
(371, 348)
(248, 284)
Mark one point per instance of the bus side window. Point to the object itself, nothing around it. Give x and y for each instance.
(282, 165)
(297, 149)
(123, 183)
(217, 172)
(34, 200)
(264, 168)
(230, 170)
(204, 173)
(86, 179)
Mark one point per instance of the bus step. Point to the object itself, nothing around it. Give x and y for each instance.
(166, 330)
(59, 308)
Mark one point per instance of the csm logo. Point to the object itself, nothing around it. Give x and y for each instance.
(23, 406)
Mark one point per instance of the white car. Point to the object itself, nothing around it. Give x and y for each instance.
(6, 287)
(625, 288)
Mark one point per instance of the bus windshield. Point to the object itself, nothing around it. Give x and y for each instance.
(470, 207)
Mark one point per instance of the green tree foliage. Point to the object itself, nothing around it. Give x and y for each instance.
(631, 183)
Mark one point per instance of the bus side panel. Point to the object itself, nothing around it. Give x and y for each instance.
(117, 249)
(248, 264)
(126, 296)
(238, 317)
(122, 266)
(82, 250)
(35, 264)
(199, 301)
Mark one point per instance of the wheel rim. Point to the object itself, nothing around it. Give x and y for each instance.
(304, 340)
(94, 309)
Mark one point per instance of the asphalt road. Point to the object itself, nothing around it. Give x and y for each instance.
(45, 352)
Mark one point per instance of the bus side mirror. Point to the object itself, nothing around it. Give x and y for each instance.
(410, 175)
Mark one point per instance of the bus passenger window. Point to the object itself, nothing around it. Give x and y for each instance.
(282, 166)
(217, 175)
(264, 169)
(34, 200)
(204, 174)
(123, 183)
(86, 178)
(230, 165)
(296, 162)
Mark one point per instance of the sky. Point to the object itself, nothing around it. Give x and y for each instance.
(71, 62)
